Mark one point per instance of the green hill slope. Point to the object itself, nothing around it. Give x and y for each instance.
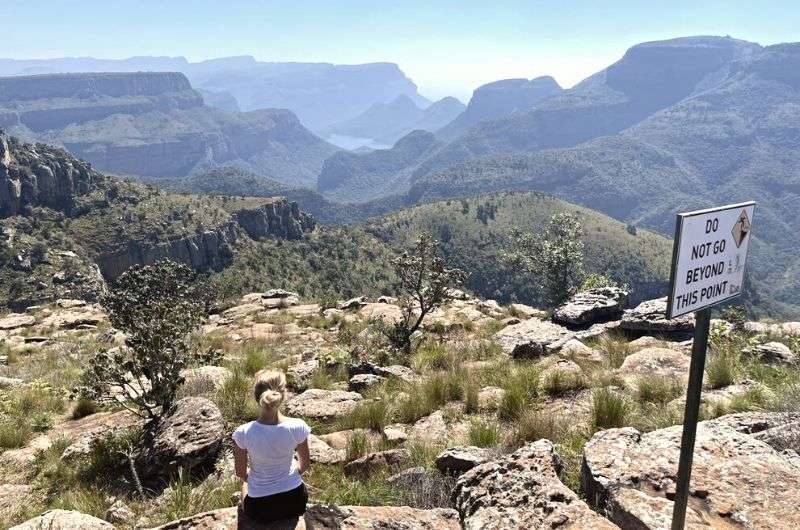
(474, 231)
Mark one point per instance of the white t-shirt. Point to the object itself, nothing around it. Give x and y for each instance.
(270, 449)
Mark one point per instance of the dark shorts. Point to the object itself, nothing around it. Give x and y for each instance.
(284, 505)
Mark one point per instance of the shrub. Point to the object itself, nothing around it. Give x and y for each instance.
(157, 307)
(559, 382)
(555, 255)
(484, 433)
(371, 415)
(521, 390)
(722, 369)
(532, 425)
(609, 409)
(425, 284)
(358, 445)
(83, 407)
(14, 433)
(615, 350)
(655, 389)
(235, 399)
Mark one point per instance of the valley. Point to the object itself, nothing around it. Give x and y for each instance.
(431, 313)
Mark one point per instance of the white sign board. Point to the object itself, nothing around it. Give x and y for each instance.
(709, 257)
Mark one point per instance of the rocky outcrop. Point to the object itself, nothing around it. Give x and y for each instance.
(457, 460)
(373, 463)
(322, 404)
(772, 352)
(589, 307)
(213, 249)
(738, 481)
(522, 491)
(650, 317)
(38, 175)
(532, 338)
(189, 436)
(64, 520)
(278, 217)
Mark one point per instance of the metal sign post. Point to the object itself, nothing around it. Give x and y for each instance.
(690, 415)
(708, 262)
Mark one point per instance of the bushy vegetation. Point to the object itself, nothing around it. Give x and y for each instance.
(157, 307)
(554, 256)
(425, 284)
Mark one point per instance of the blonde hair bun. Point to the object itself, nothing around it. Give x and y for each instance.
(270, 399)
(270, 388)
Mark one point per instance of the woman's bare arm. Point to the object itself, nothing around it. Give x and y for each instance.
(303, 456)
(240, 462)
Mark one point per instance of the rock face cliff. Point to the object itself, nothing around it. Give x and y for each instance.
(38, 175)
(116, 224)
(155, 124)
(213, 249)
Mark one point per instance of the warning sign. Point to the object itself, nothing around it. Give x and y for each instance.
(709, 257)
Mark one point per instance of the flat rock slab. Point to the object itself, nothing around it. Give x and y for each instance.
(16, 320)
(651, 317)
(738, 481)
(660, 362)
(328, 518)
(592, 306)
(522, 491)
(323, 404)
(532, 338)
(64, 520)
(457, 460)
(323, 453)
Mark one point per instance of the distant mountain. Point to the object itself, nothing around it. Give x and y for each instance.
(386, 123)
(500, 99)
(734, 136)
(320, 94)
(353, 177)
(155, 124)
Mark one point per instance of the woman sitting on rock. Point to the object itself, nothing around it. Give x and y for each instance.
(273, 488)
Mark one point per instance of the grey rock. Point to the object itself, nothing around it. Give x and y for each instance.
(650, 317)
(323, 404)
(592, 306)
(533, 338)
(630, 476)
(457, 460)
(522, 491)
(380, 461)
(360, 382)
(353, 303)
(189, 436)
(64, 520)
(772, 352)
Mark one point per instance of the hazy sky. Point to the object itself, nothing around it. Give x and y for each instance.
(446, 47)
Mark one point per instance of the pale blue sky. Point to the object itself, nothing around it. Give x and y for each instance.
(446, 47)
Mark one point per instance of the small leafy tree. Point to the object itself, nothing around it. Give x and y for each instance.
(555, 255)
(425, 284)
(156, 306)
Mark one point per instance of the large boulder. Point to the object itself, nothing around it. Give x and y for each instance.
(457, 460)
(532, 338)
(772, 352)
(738, 481)
(661, 362)
(372, 463)
(64, 520)
(522, 491)
(360, 382)
(650, 317)
(189, 436)
(592, 306)
(323, 453)
(323, 404)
